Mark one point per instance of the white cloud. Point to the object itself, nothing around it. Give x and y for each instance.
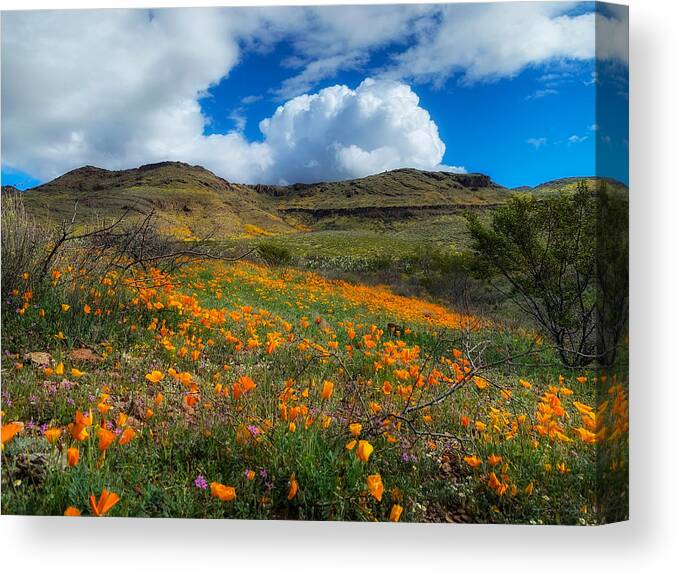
(575, 139)
(339, 38)
(343, 133)
(114, 88)
(536, 142)
(485, 42)
(247, 100)
(479, 42)
(537, 94)
(122, 90)
(612, 34)
(119, 88)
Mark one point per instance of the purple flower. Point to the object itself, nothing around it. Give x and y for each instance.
(200, 482)
(263, 473)
(254, 430)
(409, 458)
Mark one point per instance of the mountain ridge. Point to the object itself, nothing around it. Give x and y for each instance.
(191, 201)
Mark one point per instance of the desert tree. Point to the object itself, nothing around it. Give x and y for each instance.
(563, 260)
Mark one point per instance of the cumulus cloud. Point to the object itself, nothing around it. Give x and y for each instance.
(123, 90)
(342, 133)
(115, 88)
(119, 88)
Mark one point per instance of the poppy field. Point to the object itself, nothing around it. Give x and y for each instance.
(251, 391)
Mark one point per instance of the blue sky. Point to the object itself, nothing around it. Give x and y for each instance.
(523, 109)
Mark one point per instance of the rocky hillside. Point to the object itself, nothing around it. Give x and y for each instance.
(191, 201)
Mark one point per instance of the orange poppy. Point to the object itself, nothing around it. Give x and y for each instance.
(128, 435)
(294, 487)
(10, 430)
(72, 456)
(494, 459)
(328, 388)
(396, 512)
(78, 429)
(103, 505)
(365, 449)
(155, 376)
(375, 486)
(191, 399)
(52, 434)
(473, 460)
(242, 386)
(222, 492)
(106, 437)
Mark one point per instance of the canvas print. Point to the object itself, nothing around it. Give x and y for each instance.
(345, 263)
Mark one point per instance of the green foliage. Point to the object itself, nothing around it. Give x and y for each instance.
(549, 252)
(155, 473)
(274, 254)
(25, 244)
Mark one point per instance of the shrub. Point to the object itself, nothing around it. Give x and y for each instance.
(24, 244)
(564, 261)
(274, 254)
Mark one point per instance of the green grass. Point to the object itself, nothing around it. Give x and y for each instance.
(155, 473)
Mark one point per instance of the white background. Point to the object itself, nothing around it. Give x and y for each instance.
(648, 543)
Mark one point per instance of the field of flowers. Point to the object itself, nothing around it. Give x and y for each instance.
(245, 391)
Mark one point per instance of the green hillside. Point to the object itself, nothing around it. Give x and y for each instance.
(570, 185)
(190, 201)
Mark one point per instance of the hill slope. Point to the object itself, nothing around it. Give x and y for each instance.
(570, 185)
(188, 200)
(191, 201)
(395, 189)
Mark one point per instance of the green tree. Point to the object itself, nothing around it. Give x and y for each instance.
(563, 259)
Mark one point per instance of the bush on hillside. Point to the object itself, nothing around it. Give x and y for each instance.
(564, 259)
(274, 254)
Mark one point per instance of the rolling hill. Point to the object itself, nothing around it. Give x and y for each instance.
(190, 201)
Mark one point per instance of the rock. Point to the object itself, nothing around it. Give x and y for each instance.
(84, 354)
(32, 467)
(39, 358)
